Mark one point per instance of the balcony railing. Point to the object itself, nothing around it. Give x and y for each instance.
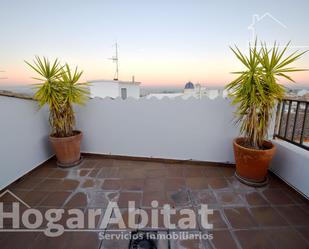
(292, 122)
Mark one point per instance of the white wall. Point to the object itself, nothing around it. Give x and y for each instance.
(169, 128)
(198, 129)
(104, 89)
(112, 89)
(23, 138)
(291, 163)
(133, 90)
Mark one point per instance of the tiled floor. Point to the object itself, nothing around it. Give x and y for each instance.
(274, 217)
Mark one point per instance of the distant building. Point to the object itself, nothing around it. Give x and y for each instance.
(198, 91)
(302, 92)
(190, 90)
(114, 89)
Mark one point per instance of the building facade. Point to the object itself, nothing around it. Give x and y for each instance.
(114, 89)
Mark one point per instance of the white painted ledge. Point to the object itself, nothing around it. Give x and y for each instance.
(291, 163)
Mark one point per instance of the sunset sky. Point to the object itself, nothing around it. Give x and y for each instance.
(162, 43)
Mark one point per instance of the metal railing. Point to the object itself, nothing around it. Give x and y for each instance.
(292, 122)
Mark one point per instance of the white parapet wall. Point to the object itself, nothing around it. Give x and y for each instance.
(23, 138)
(192, 129)
(291, 164)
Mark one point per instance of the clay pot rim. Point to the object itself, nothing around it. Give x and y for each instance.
(269, 143)
(78, 134)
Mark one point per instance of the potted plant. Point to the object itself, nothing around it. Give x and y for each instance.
(255, 92)
(59, 89)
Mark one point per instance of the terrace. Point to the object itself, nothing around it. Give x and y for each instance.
(172, 151)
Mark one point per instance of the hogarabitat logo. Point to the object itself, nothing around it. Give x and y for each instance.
(51, 221)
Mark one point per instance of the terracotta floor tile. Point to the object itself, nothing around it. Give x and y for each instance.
(203, 197)
(8, 223)
(195, 183)
(174, 171)
(194, 171)
(93, 172)
(253, 239)
(131, 173)
(16, 240)
(213, 171)
(159, 196)
(155, 173)
(216, 219)
(275, 208)
(26, 183)
(84, 172)
(154, 224)
(34, 198)
(228, 197)
(217, 183)
(115, 244)
(106, 163)
(83, 240)
(294, 215)
(42, 172)
(286, 238)
(50, 163)
(45, 242)
(111, 184)
(132, 184)
(179, 198)
(8, 199)
(296, 197)
(89, 164)
(69, 184)
(267, 216)
(187, 243)
(104, 172)
(125, 197)
(227, 170)
(55, 199)
(91, 183)
(277, 197)
(239, 218)
(101, 199)
(92, 217)
(78, 200)
(153, 184)
(59, 173)
(49, 185)
(128, 225)
(174, 184)
(304, 231)
(274, 182)
(238, 186)
(255, 199)
(223, 240)
(114, 172)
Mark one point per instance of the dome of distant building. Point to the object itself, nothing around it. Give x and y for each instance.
(189, 85)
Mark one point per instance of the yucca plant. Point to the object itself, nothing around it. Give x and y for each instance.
(257, 89)
(59, 89)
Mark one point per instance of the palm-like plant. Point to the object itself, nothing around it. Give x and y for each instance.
(59, 89)
(256, 90)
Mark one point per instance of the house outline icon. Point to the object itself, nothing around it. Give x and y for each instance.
(257, 19)
(15, 196)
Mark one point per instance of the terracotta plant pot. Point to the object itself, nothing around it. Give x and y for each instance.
(252, 164)
(67, 149)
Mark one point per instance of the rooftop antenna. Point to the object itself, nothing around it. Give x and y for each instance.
(115, 59)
